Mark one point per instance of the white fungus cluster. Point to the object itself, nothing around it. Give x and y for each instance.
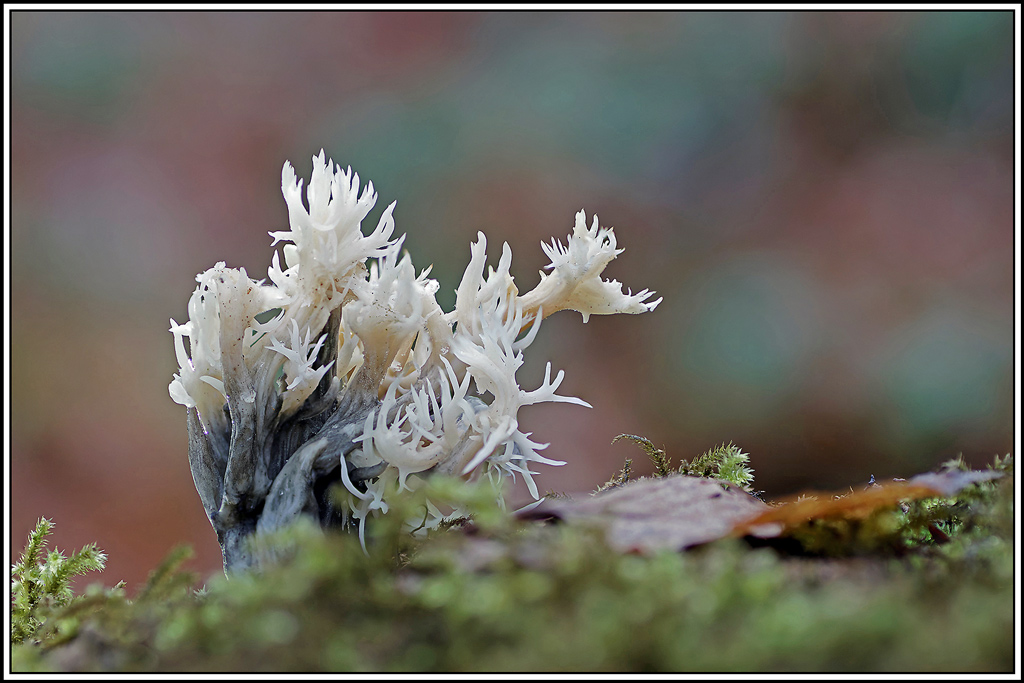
(407, 388)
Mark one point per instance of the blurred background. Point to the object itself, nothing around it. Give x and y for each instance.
(825, 201)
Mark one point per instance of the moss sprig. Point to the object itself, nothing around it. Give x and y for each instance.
(619, 479)
(662, 465)
(41, 580)
(726, 462)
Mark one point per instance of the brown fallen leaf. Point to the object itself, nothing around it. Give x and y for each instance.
(670, 513)
(950, 482)
(796, 511)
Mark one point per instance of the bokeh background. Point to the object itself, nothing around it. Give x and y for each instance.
(824, 200)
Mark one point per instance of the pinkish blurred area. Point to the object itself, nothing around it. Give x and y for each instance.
(824, 200)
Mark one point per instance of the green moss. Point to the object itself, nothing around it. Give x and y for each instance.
(726, 462)
(41, 582)
(502, 595)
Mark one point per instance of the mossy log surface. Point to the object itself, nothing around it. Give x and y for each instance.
(926, 586)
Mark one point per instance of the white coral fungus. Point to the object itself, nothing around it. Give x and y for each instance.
(417, 389)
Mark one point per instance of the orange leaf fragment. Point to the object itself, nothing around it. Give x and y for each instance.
(800, 509)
